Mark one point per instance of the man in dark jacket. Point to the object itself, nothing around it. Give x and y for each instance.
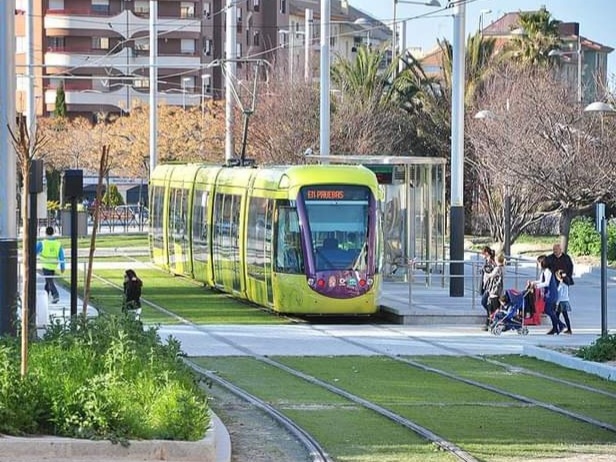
(559, 260)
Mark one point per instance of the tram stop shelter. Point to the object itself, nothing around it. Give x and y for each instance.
(412, 210)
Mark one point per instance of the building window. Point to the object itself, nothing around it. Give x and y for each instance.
(21, 44)
(100, 43)
(142, 44)
(142, 7)
(238, 49)
(187, 46)
(207, 10)
(187, 10)
(100, 7)
(283, 6)
(55, 43)
(256, 4)
(56, 4)
(207, 46)
(256, 38)
(141, 83)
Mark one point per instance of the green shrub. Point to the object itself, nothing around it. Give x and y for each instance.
(601, 350)
(101, 378)
(585, 240)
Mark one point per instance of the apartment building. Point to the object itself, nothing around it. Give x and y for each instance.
(582, 62)
(98, 50)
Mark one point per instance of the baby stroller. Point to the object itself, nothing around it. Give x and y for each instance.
(511, 314)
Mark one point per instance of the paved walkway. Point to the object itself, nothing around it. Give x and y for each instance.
(457, 323)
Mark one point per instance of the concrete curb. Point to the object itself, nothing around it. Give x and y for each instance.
(215, 447)
(602, 370)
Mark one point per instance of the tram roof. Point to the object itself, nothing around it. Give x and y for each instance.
(385, 160)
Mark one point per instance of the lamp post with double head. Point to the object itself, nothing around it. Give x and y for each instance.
(394, 25)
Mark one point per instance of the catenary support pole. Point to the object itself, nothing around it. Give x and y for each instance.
(153, 84)
(8, 170)
(456, 221)
(230, 67)
(308, 45)
(324, 77)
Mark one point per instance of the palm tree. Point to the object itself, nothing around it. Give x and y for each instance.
(540, 36)
(480, 54)
(363, 78)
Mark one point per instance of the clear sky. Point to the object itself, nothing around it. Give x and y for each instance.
(596, 18)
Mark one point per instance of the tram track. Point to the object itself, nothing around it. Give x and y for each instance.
(312, 445)
(506, 366)
(484, 386)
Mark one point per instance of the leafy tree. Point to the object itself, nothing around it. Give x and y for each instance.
(60, 104)
(113, 197)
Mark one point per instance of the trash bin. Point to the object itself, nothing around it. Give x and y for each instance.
(82, 223)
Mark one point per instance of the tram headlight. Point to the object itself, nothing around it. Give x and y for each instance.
(310, 281)
(370, 281)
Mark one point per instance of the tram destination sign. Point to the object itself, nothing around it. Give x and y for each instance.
(335, 193)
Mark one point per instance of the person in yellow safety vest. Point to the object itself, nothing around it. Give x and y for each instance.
(51, 254)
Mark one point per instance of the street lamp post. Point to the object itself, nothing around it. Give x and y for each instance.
(602, 108)
(394, 27)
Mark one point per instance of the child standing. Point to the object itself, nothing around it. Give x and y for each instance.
(563, 306)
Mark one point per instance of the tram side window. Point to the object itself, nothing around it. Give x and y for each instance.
(199, 225)
(156, 220)
(257, 232)
(289, 256)
(179, 206)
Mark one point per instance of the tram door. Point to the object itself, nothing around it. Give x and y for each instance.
(259, 250)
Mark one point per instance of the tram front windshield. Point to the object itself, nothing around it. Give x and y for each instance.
(338, 220)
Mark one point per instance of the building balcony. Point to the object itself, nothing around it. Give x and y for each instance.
(121, 97)
(125, 24)
(125, 60)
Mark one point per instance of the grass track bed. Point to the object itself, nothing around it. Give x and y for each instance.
(178, 295)
(567, 397)
(486, 424)
(346, 430)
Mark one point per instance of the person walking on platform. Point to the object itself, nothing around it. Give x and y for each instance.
(488, 266)
(548, 283)
(563, 306)
(51, 254)
(560, 261)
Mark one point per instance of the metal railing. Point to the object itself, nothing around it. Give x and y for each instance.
(435, 273)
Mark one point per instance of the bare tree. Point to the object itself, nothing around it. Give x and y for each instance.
(28, 147)
(540, 142)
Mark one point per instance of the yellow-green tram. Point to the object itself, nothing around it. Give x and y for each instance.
(296, 239)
